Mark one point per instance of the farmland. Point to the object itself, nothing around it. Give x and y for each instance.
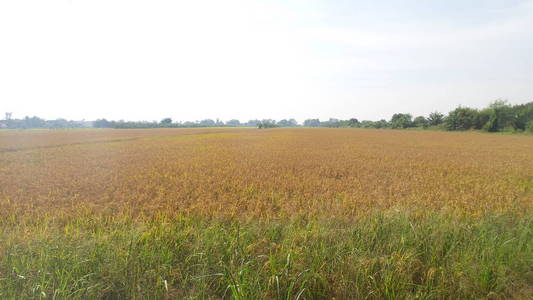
(278, 213)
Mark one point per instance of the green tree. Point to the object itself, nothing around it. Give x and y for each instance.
(233, 123)
(435, 118)
(353, 122)
(287, 123)
(401, 121)
(522, 114)
(267, 123)
(312, 123)
(420, 121)
(500, 115)
(207, 123)
(529, 126)
(461, 118)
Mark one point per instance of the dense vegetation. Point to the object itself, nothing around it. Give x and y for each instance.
(265, 214)
(498, 116)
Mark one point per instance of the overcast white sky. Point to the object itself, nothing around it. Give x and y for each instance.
(191, 60)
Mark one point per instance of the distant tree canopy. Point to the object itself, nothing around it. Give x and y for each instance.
(522, 116)
(233, 123)
(435, 118)
(461, 118)
(420, 121)
(287, 123)
(498, 116)
(401, 121)
(267, 124)
(312, 123)
(353, 122)
(36, 122)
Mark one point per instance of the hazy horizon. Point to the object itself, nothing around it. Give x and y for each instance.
(146, 60)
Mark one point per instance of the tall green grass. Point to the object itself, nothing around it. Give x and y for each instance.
(383, 256)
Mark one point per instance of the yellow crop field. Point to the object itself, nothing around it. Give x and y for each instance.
(276, 213)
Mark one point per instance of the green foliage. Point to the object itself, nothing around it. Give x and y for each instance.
(401, 121)
(481, 119)
(383, 256)
(233, 123)
(420, 121)
(374, 124)
(523, 114)
(435, 118)
(500, 115)
(462, 118)
(353, 122)
(312, 123)
(267, 124)
(529, 126)
(287, 123)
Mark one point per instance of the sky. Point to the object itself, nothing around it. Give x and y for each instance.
(253, 59)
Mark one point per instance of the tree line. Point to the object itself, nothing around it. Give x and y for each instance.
(498, 116)
(35, 123)
(168, 123)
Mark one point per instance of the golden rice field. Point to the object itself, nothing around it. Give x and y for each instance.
(265, 214)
